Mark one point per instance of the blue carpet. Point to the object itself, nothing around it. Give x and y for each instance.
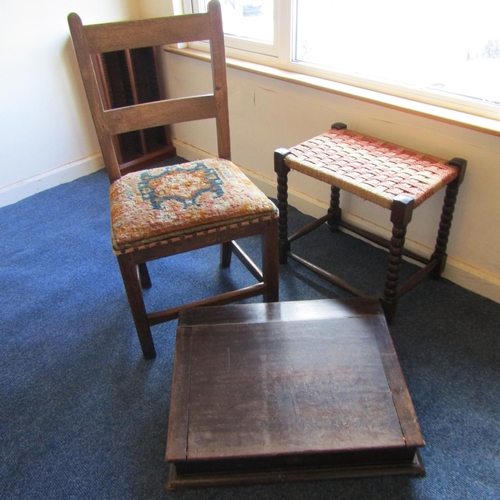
(84, 416)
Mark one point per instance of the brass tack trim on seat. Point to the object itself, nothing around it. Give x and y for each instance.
(193, 235)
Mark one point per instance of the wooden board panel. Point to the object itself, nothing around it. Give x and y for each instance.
(287, 388)
(291, 385)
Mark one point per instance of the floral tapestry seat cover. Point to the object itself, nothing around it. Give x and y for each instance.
(166, 203)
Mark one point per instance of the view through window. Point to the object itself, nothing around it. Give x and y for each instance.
(439, 45)
(248, 19)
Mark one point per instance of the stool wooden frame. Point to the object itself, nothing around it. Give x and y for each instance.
(401, 207)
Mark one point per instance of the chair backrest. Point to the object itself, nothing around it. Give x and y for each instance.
(95, 39)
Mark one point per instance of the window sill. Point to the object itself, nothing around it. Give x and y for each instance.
(453, 117)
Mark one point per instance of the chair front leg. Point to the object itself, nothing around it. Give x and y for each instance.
(270, 262)
(133, 289)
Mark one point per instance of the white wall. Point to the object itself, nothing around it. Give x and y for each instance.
(46, 131)
(266, 114)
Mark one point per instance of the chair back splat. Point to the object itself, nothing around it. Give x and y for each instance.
(168, 210)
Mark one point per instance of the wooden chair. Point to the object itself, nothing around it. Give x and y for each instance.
(164, 211)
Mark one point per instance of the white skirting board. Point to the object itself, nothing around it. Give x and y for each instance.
(50, 178)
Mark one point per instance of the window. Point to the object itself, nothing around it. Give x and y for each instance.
(436, 51)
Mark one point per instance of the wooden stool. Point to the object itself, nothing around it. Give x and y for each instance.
(383, 173)
(288, 391)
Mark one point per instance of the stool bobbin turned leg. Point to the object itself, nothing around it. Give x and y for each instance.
(450, 199)
(334, 212)
(401, 213)
(282, 170)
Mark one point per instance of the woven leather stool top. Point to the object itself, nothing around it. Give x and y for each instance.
(209, 195)
(375, 170)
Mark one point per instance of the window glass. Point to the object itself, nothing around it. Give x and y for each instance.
(247, 19)
(440, 45)
(442, 52)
